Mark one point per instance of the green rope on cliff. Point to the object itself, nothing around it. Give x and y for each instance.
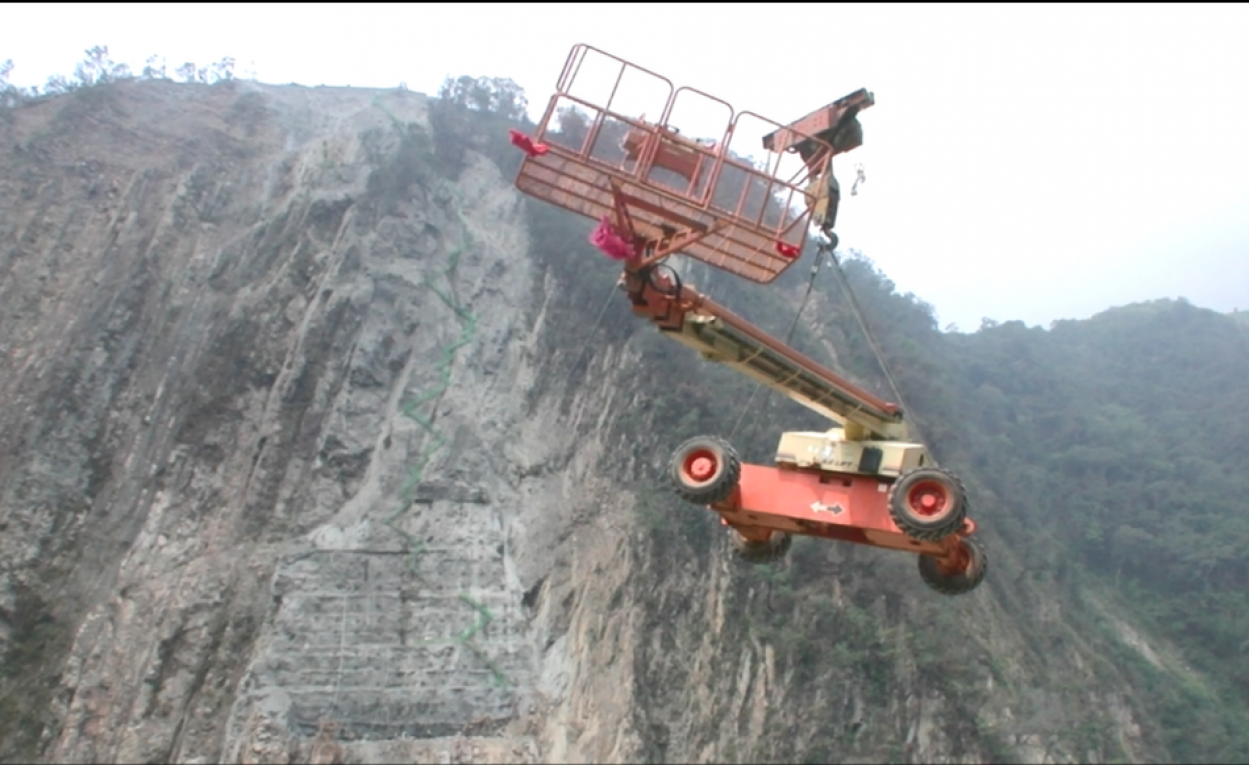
(436, 440)
(468, 329)
(465, 638)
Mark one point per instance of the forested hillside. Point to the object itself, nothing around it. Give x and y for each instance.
(1107, 455)
(1121, 438)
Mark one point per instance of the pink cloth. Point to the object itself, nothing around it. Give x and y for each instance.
(611, 243)
(786, 250)
(526, 144)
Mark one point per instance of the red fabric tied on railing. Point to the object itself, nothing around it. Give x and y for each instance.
(526, 144)
(610, 242)
(787, 250)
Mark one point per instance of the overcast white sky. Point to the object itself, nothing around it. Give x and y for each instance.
(1031, 162)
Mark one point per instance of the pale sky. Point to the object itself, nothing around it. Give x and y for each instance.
(1032, 162)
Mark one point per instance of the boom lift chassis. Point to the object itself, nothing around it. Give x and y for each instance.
(654, 193)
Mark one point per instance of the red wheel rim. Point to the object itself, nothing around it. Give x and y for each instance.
(928, 499)
(700, 465)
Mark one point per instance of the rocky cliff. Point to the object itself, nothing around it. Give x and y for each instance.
(304, 457)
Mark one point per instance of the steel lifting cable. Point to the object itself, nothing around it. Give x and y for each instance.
(857, 310)
(594, 327)
(815, 270)
(829, 248)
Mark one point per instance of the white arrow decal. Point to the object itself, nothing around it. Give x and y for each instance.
(834, 508)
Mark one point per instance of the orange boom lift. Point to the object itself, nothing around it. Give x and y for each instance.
(655, 193)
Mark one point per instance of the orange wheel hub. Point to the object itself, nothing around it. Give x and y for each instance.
(700, 465)
(928, 499)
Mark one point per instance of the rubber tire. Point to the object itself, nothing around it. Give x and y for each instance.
(958, 584)
(720, 486)
(917, 526)
(761, 553)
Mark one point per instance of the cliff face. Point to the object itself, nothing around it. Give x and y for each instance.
(230, 333)
(294, 467)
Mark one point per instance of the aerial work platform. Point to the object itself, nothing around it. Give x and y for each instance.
(683, 181)
(663, 191)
